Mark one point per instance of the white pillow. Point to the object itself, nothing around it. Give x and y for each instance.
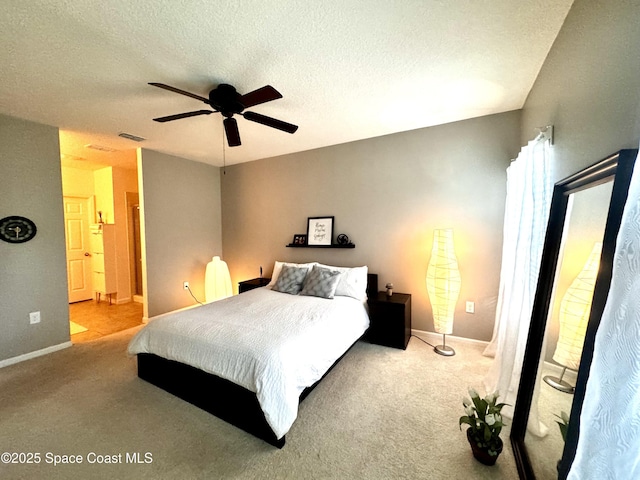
(353, 281)
(277, 267)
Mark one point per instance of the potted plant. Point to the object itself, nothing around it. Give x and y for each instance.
(564, 424)
(485, 423)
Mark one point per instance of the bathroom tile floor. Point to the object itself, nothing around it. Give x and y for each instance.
(102, 319)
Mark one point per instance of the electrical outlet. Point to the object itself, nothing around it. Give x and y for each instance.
(471, 307)
(185, 285)
(34, 317)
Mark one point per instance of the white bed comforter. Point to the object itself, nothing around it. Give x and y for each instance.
(271, 343)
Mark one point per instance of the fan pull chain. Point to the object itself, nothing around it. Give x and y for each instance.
(224, 156)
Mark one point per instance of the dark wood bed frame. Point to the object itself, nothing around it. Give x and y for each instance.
(218, 396)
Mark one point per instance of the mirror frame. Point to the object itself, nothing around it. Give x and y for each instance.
(619, 168)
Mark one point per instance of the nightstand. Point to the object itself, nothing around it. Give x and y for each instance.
(390, 319)
(253, 283)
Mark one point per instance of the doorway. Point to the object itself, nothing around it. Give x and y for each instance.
(96, 182)
(137, 251)
(135, 246)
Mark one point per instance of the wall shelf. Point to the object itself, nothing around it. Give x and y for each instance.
(335, 245)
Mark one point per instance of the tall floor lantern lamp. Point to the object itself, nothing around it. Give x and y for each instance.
(443, 286)
(217, 280)
(575, 308)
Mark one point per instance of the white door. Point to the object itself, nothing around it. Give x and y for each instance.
(76, 222)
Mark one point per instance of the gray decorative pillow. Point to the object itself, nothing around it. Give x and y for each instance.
(321, 282)
(290, 279)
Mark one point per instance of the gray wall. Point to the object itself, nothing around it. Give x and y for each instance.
(33, 275)
(589, 89)
(388, 194)
(180, 202)
(589, 86)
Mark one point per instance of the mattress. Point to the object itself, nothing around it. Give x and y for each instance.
(271, 343)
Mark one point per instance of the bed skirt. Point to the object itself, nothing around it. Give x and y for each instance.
(224, 399)
(220, 397)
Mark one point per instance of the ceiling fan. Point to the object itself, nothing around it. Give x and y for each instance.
(227, 101)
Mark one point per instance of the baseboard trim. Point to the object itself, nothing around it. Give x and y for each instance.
(35, 354)
(160, 315)
(436, 338)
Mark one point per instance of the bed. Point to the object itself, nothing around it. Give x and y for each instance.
(251, 358)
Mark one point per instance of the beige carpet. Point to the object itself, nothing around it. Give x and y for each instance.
(381, 414)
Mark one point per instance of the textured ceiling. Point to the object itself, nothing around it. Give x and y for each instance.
(347, 69)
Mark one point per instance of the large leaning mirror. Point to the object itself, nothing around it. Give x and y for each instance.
(575, 275)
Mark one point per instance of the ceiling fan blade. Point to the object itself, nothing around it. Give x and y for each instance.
(181, 92)
(261, 95)
(270, 122)
(231, 129)
(178, 116)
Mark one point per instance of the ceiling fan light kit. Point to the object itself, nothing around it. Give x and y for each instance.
(226, 100)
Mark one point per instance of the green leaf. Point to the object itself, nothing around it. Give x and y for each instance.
(481, 408)
(468, 421)
(487, 433)
(563, 430)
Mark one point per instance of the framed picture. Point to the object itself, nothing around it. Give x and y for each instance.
(319, 230)
(299, 239)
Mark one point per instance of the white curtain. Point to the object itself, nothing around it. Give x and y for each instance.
(609, 444)
(529, 191)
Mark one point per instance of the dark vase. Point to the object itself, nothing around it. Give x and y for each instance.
(480, 453)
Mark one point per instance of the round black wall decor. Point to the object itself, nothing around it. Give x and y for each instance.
(342, 239)
(14, 229)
